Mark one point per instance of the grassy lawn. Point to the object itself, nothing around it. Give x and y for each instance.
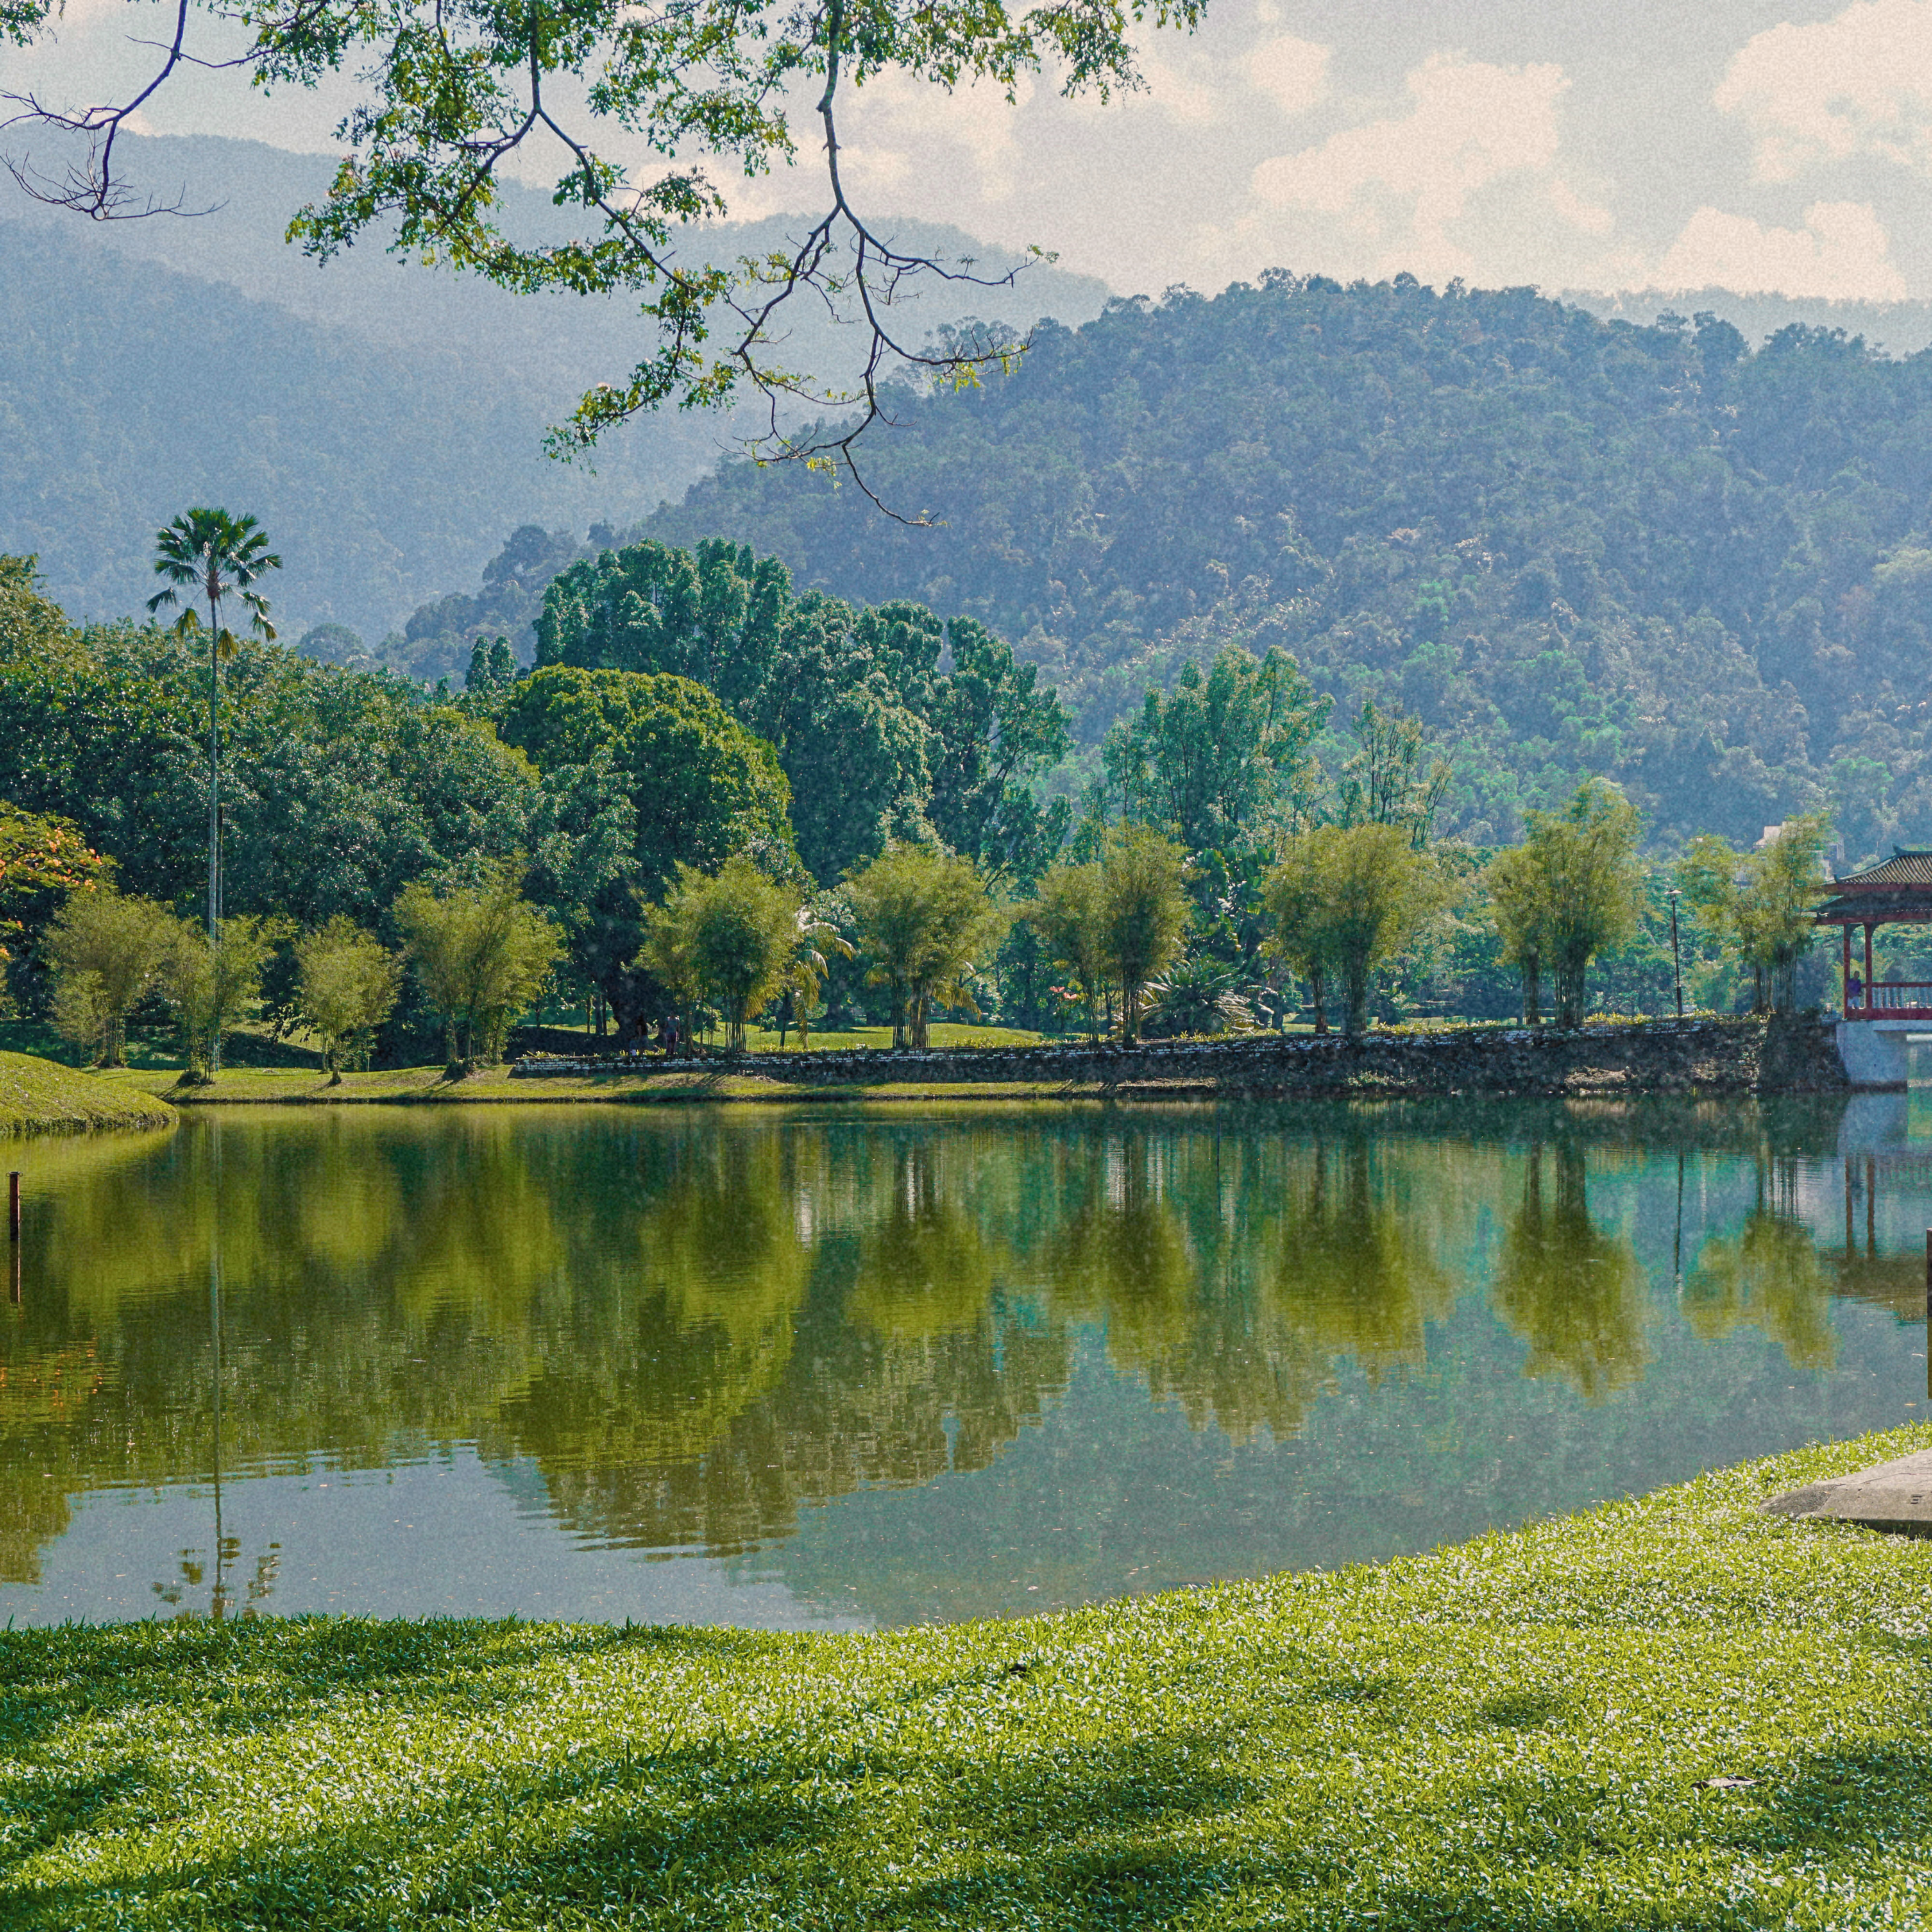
(259, 1068)
(943, 1033)
(765, 1040)
(157, 1074)
(39, 1095)
(243, 1085)
(1672, 1711)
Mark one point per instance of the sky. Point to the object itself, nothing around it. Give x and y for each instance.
(1752, 145)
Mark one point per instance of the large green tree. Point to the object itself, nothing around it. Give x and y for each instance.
(1395, 776)
(1219, 759)
(340, 787)
(1571, 892)
(657, 754)
(996, 731)
(1223, 762)
(878, 740)
(701, 785)
(859, 757)
(925, 921)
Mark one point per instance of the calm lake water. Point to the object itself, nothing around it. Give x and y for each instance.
(830, 1371)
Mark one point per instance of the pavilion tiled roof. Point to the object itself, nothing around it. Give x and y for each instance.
(1900, 887)
(1903, 868)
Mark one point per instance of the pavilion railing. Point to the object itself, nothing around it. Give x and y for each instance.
(1904, 998)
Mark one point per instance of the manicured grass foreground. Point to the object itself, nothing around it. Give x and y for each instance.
(1672, 1711)
(41, 1097)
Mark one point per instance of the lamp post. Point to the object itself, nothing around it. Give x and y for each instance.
(1677, 963)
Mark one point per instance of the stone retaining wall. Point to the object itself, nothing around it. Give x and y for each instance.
(1796, 1055)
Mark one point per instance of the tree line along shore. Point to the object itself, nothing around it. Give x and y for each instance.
(715, 805)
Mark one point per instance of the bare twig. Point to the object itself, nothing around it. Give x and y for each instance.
(93, 190)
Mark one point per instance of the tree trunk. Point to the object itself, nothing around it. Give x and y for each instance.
(1784, 986)
(1357, 1022)
(1318, 997)
(1569, 987)
(1532, 991)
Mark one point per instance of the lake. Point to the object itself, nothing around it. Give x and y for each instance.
(823, 1369)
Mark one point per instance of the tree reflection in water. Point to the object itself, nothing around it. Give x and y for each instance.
(1769, 1274)
(1575, 1294)
(695, 1325)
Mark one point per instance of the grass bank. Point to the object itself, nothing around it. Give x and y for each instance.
(243, 1086)
(41, 1097)
(1701, 1059)
(1670, 1712)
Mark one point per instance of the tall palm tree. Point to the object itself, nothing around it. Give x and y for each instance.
(208, 553)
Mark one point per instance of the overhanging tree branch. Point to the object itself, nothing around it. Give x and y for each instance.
(91, 188)
(454, 88)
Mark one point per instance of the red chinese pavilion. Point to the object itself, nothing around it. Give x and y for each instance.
(1897, 891)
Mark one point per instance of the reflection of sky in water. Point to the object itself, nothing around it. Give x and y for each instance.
(446, 1538)
(741, 1369)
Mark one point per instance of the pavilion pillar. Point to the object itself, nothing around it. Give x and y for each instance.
(1867, 969)
(1845, 977)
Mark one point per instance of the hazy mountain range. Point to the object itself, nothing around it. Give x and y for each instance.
(1695, 554)
(382, 419)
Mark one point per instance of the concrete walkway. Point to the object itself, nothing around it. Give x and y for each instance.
(1895, 1495)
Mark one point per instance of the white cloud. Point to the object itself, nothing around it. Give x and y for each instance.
(1842, 254)
(906, 140)
(1591, 217)
(1471, 124)
(1195, 83)
(1404, 180)
(896, 130)
(1186, 89)
(1293, 73)
(1860, 83)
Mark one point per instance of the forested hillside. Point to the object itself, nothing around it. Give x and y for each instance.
(383, 419)
(128, 392)
(1571, 545)
(1899, 327)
